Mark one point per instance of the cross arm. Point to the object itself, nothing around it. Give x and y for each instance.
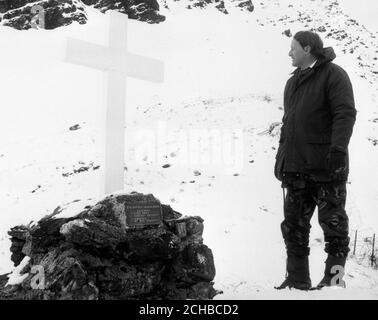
(87, 54)
(144, 68)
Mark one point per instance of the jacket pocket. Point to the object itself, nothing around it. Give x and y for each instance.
(278, 166)
(316, 153)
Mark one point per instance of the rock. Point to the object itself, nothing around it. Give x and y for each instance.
(287, 33)
(245, 5)
(220, 4)
(143, 10)
(75, 127)
(18, 14)
(194, 264)
(18, 235)
(96, 254)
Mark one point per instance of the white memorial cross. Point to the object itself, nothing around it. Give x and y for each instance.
(118, 63)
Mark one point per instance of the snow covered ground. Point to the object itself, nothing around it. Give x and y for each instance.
(199, 142)
(365, 12)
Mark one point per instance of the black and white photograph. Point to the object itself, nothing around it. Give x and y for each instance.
(192, 150)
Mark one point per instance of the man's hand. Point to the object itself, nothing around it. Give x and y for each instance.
(336, 162)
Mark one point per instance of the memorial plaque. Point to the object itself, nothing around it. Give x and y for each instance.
(144, 213)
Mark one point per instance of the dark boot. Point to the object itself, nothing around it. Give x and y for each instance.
(337, 274)
(298, 275)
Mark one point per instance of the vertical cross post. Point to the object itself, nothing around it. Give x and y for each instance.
(118, 63)
(115, 111)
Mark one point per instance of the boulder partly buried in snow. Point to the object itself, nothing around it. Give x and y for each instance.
(96, 254)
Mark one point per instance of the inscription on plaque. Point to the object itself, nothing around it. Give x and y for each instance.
(142, 214)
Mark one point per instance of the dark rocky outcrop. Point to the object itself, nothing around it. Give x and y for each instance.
(143, 10)
(220, 4)
(245, 4)
(96, 255)
(19, 14)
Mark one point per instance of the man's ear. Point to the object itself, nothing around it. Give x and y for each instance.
(307, 49)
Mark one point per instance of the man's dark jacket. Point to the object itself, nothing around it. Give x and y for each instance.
(319, 115)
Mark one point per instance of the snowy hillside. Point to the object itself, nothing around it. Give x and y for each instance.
(224, 78)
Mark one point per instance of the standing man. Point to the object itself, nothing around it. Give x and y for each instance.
(312, 159)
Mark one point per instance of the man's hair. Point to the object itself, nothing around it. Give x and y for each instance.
(312, 39)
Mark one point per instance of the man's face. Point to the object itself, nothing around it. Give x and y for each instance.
(298, 54)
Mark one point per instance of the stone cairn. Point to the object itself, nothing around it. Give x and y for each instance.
(96, 255)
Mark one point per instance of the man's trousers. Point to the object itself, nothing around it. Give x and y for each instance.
(300, 202)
